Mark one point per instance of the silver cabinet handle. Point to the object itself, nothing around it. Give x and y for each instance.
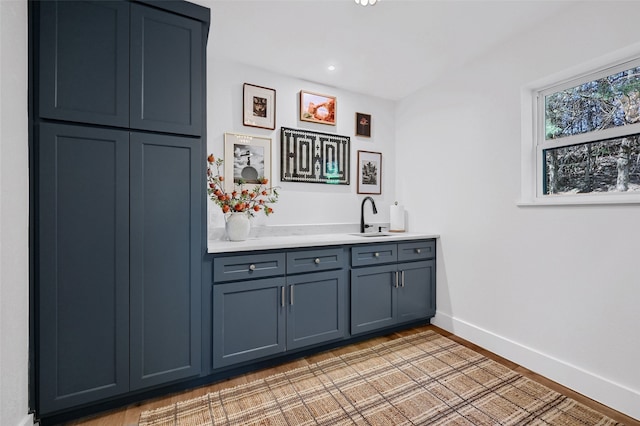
(317, 261)
(252, 267)
(396, 278)
(376, 254)
(282, 296)
(418, 251)
(291, 294)
(402, 280)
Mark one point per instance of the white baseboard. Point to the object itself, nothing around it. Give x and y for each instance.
(26, 421)
(605, 391)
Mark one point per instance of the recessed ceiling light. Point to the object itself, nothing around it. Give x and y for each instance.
(331, 67)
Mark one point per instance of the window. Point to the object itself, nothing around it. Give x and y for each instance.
(584, 145)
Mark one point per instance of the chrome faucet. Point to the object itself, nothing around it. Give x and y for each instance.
(375, 211)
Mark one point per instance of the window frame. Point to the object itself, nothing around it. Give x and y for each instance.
(534, 143)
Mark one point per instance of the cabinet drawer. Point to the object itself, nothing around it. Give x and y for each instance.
(374, 254)
(314, 260)
(234, 268)
(419, 250)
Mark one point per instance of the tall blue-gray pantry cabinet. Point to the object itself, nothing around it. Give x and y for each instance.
(118, 141)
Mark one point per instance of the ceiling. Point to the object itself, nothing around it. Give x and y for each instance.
(389, 50)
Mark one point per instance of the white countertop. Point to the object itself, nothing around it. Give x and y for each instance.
(268, 242)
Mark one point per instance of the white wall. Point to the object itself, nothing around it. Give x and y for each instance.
(301, 203)
(555, 289)
(14, 213)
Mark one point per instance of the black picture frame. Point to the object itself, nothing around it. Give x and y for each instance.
(363, 125)
(258, 106)
(314, 157)
(369, 172)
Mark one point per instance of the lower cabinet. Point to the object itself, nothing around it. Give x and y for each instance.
(118, 285)
(267, 303)
(373, 300)
(82, 265)
(256, 318)
(165, 259)
(248, 320)
(416, 292)
(392, 293)
(316, 308)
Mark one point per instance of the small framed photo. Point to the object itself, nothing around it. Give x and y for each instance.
(318, 108)
(259, 106)
(369, 172)
(363, 125)
(247, 160)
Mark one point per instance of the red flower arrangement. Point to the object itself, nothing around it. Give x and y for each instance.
(242, 200)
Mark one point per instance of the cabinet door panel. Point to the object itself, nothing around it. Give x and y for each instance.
(83, 259)
(165, 258)
(372, 298)
(166, 72)
(84, 61)
(417, 290)
(248, 320)
(315, 310)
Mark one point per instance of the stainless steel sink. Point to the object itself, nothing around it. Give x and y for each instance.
(372, 234)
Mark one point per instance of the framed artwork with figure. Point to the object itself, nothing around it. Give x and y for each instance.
(259, 106)
(247, 159)
(369, 172)
(363, 125)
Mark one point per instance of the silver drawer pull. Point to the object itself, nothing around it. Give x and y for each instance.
(317, 261)
(282, 296)
(376, 254)
(252, 267)
(291, 294)
(418, 251)
(396, 277)
(402, 280)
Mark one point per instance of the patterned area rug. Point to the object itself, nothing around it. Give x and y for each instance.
(422, 379)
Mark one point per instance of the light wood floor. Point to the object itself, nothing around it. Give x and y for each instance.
(129, 415)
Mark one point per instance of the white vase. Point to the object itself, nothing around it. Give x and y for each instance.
(237, 226)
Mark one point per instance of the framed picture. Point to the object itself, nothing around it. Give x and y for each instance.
(314, 157)
(259, 106)
(369, 172)
(318, 108)
(363, 125)
(247, 159)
